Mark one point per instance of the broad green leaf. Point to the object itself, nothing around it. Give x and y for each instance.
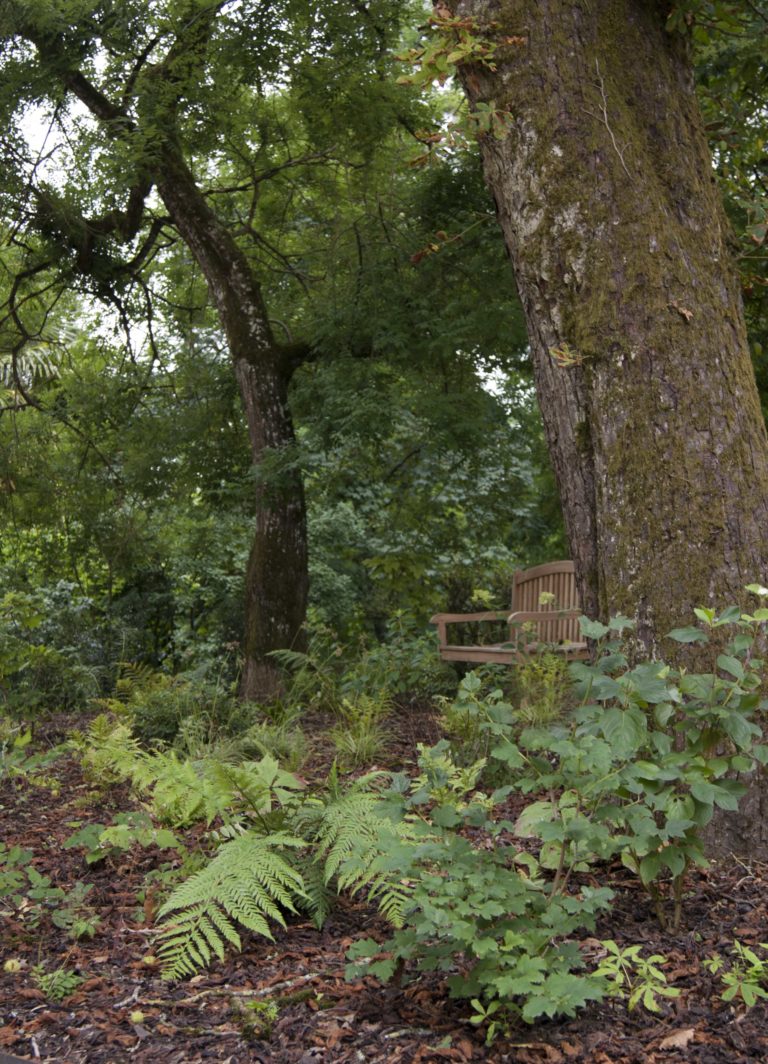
(528, 824)
(650, 867)
(593, 629)
(625, 729)
(688, 635)
(647, 682)
(509, 754)
(731, 665)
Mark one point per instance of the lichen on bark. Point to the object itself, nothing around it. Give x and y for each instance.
(605, 193)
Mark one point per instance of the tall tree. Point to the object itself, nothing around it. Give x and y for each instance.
(605, 193)
(149, 96)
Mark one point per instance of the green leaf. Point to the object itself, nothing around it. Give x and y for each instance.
(688, 635)
(593, 629)
(626, 730)
(509, 754)
(648, 682)
(731, 665)
(650, 866)
(758, 589)
(740, 730)
(528, 824)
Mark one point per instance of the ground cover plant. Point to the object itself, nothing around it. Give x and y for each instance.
(494, 881)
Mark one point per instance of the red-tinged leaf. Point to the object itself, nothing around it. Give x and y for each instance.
(9, 1035)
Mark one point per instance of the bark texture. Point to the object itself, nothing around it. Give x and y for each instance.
(276, 578)
(605, 193)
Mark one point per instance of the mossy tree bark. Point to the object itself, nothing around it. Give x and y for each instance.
(605, 193)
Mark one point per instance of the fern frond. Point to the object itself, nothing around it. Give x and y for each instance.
(349, 824)
(33, 363)
(248, 883)
(111, 751)
(319, 896)
(134, 677)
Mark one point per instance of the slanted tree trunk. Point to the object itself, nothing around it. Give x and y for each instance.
(276, 578)
(606, 196)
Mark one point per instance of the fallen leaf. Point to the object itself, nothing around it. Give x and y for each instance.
(9, 1035)
(678, 1039)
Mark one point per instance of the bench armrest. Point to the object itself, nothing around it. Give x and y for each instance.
(523, 616)
(444, 619)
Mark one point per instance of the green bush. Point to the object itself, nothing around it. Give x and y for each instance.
(636, 769)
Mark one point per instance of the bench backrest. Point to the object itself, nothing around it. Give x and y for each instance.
(558, 579)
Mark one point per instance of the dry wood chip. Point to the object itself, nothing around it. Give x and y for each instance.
(678, 1039)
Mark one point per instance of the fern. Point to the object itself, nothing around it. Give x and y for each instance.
(109, 750)
(362, 848)
(248, 883)
(135, 677)
(320, 896)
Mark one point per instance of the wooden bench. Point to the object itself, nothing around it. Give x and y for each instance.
(532, 626)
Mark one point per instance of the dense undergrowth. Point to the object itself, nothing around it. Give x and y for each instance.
(601, 762)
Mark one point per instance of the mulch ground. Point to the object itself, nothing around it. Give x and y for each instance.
(322, 1017)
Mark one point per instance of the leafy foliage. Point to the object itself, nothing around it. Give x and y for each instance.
(249, 881)
(744, 976)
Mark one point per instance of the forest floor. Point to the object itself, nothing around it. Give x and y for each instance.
(123, 1011)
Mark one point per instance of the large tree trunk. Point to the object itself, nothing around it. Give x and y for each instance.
(605, 193)
(276, 578)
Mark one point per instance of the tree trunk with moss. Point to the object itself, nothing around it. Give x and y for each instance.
(605, 193)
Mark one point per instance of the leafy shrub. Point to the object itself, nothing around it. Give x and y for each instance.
(406, 663)
(58, 984)
(35, 676)
(637, 768)
(744, 976)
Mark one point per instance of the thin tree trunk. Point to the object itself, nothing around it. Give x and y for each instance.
(605, 193)
(276, 578)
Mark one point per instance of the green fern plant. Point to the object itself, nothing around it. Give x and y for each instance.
(356, 836)
(249, 882)
(313, 675)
